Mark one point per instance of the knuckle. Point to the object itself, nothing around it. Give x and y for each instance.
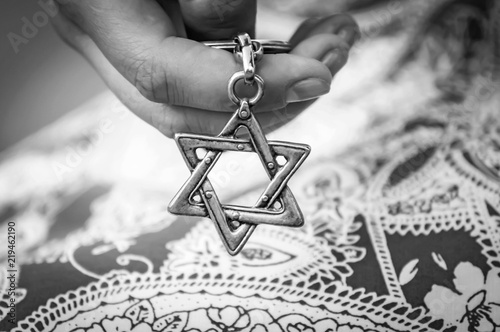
(156, 82)
(143, 79)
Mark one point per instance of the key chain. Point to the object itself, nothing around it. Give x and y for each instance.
(276, 205)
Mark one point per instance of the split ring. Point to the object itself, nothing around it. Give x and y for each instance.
(231, 88)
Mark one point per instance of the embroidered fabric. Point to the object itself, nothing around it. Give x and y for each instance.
(402, 224)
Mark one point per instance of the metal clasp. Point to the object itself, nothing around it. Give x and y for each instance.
(247, 56)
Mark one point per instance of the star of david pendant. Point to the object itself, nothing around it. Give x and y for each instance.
(235, 224)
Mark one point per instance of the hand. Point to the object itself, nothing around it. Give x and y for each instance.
(147, 53)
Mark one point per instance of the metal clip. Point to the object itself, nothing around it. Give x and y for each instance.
(263, 46)
(247, 56)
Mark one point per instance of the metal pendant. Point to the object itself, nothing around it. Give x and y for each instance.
(276, 206)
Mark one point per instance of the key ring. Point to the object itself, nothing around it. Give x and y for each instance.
(232, 86)
(247, 51)
(268, 46)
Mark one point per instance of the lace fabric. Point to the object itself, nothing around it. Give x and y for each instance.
(402, 221)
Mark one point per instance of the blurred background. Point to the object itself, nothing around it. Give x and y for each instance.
(42, 80)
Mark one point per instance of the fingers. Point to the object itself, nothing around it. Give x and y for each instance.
(342, 25)
(191, 78)
(317, 39)
(219, 19)
(126, 31)
(330, 49)
(138, 38)
(328, 39)
(173, 8)
(166, 118)
(185, 73)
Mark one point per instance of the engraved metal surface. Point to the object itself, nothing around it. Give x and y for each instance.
(235, 224)
(276, 205)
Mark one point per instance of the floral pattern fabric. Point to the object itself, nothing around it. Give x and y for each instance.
(402, 227)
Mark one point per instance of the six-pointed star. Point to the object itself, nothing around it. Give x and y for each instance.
(235, 224)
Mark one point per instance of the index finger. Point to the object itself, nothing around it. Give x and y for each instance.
(218, 19)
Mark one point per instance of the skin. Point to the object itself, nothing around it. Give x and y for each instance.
(148, 53)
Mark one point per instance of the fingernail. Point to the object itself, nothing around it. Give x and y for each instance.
(330, 58)
(350, 36)
(307, 89)
(344, 34)
(335, 59)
